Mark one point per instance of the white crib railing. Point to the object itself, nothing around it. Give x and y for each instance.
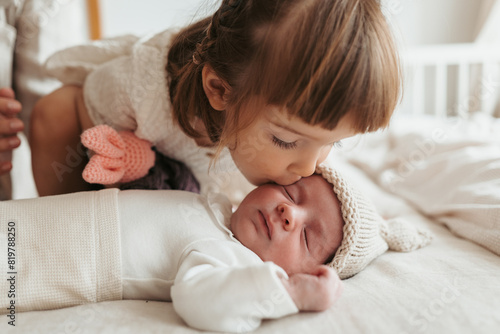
(449, 80)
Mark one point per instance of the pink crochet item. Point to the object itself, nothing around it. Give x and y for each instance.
(118, 156)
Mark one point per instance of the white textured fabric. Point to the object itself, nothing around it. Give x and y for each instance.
(66, 250)
(137, 244)
(176, 246)
(125, 86)
(450, 171)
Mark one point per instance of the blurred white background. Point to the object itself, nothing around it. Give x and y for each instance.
(419, 25)
(120, 17)
(417, 21)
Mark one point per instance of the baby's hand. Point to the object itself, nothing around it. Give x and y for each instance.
(316, 291)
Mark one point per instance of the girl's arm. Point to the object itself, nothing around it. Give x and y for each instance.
(58, 157)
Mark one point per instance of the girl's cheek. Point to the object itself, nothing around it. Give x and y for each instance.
(324, 154)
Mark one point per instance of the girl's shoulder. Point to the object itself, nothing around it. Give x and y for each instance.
(160, 40)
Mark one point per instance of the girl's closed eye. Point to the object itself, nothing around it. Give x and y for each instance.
(283, 144)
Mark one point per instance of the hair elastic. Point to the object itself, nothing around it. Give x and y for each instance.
(197, 58)
(229, 7)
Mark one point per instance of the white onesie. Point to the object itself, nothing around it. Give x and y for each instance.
(140, 244)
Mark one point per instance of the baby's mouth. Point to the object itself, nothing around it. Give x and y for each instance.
(266, 224)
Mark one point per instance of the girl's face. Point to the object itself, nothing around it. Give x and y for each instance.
(283, 149)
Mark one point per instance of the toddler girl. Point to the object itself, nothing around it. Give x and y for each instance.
(266, 86)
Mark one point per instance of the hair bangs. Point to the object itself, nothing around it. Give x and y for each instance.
(321, 75)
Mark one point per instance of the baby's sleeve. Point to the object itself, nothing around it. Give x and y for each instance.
(210, 295)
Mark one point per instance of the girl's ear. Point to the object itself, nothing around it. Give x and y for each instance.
(216, 89)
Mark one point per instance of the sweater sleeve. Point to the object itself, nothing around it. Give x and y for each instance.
(72, 65)
(210, 295)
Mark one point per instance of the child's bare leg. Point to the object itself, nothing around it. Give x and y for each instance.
(58, 157)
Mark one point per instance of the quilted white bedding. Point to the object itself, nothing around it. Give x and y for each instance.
(450, 286)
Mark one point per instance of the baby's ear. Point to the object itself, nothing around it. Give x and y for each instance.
(216, 89)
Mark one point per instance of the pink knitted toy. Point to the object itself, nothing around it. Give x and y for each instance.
(117, 156)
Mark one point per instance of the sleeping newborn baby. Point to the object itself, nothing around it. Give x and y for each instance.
(283, 250)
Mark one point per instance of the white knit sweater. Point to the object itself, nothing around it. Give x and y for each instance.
(125, 86)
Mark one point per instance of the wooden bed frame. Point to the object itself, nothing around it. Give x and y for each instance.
(94, 17)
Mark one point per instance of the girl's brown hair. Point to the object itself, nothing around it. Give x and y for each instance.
(319, 59)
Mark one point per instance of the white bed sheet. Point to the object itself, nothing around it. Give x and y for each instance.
(450, 286)
(449, 169)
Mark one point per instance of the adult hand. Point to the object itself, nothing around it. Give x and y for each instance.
(10, 125)
(315, 291)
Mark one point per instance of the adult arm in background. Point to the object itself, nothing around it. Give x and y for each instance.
(10, 125)
(30, 30)
(42, 27)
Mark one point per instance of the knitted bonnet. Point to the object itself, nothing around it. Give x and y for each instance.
(366, 234)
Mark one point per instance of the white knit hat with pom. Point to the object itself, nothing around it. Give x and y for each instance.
(366, 234)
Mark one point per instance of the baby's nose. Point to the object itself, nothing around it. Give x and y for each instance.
(287, 216)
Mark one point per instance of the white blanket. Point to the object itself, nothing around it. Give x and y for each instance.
(449, 170)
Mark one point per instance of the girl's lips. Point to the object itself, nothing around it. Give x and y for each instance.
(265, 224)
(289, 181)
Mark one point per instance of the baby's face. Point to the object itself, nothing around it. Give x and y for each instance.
(297, 227)
(282, 149)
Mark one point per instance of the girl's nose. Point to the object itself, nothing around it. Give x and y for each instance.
(306, 164)
(303, 168)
